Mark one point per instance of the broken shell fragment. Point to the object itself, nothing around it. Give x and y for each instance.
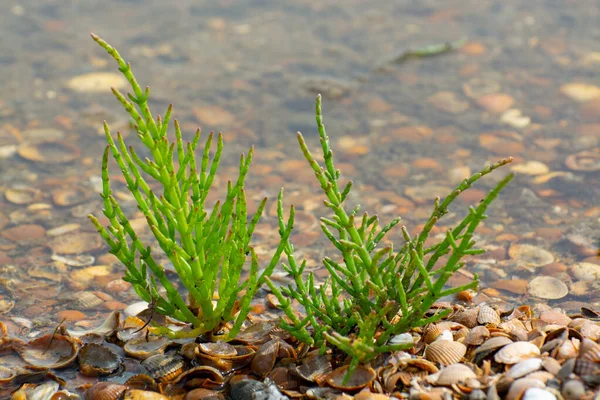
(144, 347)
(360, 378)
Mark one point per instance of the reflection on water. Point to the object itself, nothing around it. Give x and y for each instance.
(526, 85)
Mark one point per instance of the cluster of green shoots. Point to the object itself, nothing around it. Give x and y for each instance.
(208, 249)
(373, 294)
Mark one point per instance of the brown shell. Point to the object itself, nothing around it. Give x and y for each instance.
(265, 357)
(48, 351)
(225, 358)
(487, 315)
(105, 391)
(314, 368)
(163, 367)
(135, 394)
(97, 360)
(142, 382)
(360, 378)
(144, 347)
(467, 318)
(445, 352)
(477, 336)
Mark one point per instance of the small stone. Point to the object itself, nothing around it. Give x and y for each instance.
(458, 174)
(427, 163)
(71, 315)
(580, 92)
(24, 233)
(531, 168)
(117, 286)
(495, 103)
(112, 305)
(448, 102)
(515, 118)
(213, 116)
(97, 82)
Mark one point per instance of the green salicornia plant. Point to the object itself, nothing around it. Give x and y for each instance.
(374, 292)
(208, 248)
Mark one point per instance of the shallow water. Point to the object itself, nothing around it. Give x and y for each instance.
(525, 85)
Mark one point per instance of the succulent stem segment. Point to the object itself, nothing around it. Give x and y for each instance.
(374, 292)
(208, 248)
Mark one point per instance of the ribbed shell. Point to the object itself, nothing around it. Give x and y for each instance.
(454, 374)
(445, 352)
(487, 315)
(164, 368)
(105, 391)
(97, 360)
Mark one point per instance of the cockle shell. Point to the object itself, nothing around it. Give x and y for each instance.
(164, 367)
(524, 367)
(515, 352)
(487, 315)
(451, 375)
(445, 352)
(105, 391)
(97, 360)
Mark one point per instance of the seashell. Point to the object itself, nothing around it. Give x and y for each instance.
(88, 300)
(314, 368)
(590, 330)
(74, 261)
(487, 315)
(49, 152)
(265, 357)
(538, 394)
(105, 391)
(34, 392)
(48, 351)
(256, 334)
(97, 360)
(253, 390)
(202, 376)
(445, 352)
(433, 331)
(144, 347)
(586, 271)
(135, 394)
(547, 287)
(65, 395)
(7, 374)
(490, 346)
(224, 356)
(360, 378)
(467, 317)
(589, 350)
(528, 255)
(142, 382)
(585, 161)
(516, 329)
(542, 376)
(203, 394)
(477, 336)
(110, 324)
(286, 350)
(584, 368)
(555, 317)
(566, 350)
(518, 387)
(551, 365)
(452, 375)
(164, 368)
(523, 368)
(22, 195)
(515, 352)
